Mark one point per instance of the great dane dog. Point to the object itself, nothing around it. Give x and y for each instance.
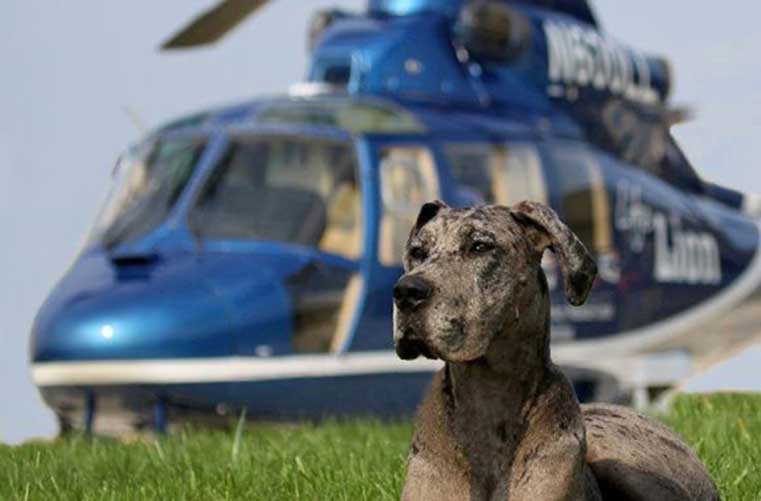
(500, 421)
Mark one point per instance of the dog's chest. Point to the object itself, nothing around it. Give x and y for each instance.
(489, 444)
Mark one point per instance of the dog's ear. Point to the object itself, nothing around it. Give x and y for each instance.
(427, 212)
(546, 230)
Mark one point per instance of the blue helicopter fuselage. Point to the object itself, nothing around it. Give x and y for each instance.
(258, 273)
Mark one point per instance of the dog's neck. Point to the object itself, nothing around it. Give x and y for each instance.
(511, 373)
(490, 400)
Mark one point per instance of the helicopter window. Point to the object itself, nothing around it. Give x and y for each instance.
(487, 174)
(292, 190)
(149, 180)
(584, 203)
(408, 180)
(519, 175)
(471, 167)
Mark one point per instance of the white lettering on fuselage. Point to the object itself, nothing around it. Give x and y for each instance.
(691, 258)
(582, 57)
(681, 256)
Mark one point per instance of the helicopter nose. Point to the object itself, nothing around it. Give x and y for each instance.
(410, 292)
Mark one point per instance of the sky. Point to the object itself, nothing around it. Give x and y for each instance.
(71, 70)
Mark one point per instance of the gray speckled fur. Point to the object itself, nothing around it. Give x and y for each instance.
(500, 421)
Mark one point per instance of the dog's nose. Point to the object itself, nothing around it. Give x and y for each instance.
(410, 292)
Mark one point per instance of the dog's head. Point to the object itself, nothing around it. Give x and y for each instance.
(472, 273)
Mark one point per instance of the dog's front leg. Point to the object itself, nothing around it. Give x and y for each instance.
(433, 480)
(553, 470)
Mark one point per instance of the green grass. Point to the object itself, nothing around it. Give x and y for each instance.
(725, 431)
(351, 461)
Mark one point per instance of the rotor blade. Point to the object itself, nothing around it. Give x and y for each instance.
(213, 24)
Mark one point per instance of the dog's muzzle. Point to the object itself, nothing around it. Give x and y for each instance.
(409, 347)
(411, 293)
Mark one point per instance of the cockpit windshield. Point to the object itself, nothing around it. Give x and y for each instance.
(287, 189)
(149, 180)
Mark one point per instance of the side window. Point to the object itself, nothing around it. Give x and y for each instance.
(472, 167)
(583, 199)
(506, 175)
(408, 180)
(519, 176)
(292, 190)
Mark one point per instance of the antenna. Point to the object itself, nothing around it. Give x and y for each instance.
(134, 118)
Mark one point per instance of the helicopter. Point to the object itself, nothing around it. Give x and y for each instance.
(245, 255)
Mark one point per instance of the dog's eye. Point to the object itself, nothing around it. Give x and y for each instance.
(418, 253)
(479, 247)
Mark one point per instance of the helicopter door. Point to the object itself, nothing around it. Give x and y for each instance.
(580, 195)
(408, 180)
(281, 218)
(408, 177)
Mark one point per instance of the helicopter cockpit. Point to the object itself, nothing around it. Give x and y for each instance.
(287, 181)
(278, 176)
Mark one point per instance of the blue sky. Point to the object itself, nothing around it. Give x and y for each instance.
(71, 68)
